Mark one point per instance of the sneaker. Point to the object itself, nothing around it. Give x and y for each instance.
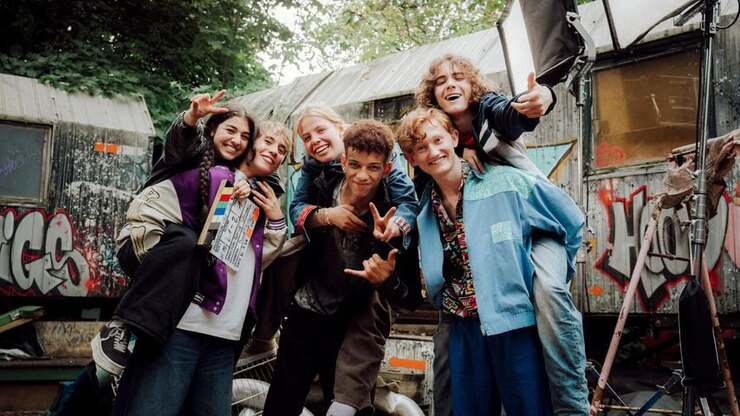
(110, 347)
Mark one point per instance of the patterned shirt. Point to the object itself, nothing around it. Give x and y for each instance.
(458, 294)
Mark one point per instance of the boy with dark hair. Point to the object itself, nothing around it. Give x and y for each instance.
(475, 237)
(489, 125)
(344, 274)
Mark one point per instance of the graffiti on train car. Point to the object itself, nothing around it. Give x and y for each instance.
(42, 254)
(667, 263)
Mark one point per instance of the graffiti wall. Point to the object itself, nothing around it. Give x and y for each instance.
(618, 214)
(66, 245)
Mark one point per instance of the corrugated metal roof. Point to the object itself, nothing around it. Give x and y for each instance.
(27, 99)
(399, 73)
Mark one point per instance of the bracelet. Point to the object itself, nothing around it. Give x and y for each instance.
(325, 214)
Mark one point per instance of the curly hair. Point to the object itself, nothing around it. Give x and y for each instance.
(425, 91)
(410, 131)
(370, 136)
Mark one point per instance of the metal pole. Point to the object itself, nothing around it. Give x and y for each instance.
(699, 235)
(626, 306)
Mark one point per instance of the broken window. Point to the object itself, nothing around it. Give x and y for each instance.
(22, 167)
(643, 110)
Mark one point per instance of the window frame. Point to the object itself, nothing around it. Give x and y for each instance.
(46, 152)
(686, 42)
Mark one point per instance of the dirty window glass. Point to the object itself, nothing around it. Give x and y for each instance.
(21, 161)
(643, 110)
(392, 109)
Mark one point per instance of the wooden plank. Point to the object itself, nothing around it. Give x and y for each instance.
(19, 316)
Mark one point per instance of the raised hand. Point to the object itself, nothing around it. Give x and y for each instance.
(535, 102)
(202, 105)
(265, 198)
(376, 270)
(343, 217)
(383, 228)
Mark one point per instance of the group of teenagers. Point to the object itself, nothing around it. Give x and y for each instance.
(480, 230)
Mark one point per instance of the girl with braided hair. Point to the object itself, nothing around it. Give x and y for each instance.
(193, 367)
(157, 245)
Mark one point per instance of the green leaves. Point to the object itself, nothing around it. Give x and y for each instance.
(363, 30)
(166, 50)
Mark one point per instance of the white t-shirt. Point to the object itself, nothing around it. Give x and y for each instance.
(227, 324)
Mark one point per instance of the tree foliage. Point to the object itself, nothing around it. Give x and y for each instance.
(165, 50)
(363, 30)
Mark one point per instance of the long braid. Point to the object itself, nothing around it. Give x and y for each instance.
(205, 165)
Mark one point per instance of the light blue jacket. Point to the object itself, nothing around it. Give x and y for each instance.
(502, 208)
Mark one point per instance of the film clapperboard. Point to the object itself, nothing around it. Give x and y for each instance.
(229, 226)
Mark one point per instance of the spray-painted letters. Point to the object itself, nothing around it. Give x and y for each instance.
(667, 262)
(39, 255)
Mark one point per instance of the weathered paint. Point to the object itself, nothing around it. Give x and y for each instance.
(414, 349)
(66, 245)
(618, 213)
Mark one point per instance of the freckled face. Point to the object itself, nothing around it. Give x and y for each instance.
(435, 154)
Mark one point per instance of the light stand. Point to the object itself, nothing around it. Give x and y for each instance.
(701, 393)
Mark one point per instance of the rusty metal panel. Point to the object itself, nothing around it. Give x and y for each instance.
(66, 245)
(28, 100)
(726, 78)
(618, 208)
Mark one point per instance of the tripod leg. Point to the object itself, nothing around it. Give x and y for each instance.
(704, 405)
(626, 305)
(721, 351)
(688, 402)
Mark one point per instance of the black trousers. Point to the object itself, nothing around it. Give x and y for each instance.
(309, 344)
(162, 285)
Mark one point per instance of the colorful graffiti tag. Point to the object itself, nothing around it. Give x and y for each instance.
(40, 254)
(667, 263)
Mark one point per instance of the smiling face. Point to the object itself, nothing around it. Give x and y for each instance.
(363, 171)
(321, 138)
(452, 89)
(435, 152)
(269, 153)
(231, 138)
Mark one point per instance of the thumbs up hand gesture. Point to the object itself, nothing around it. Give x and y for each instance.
(535, 102)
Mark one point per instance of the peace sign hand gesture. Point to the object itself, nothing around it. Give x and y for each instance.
(202, 105)
(384, 229)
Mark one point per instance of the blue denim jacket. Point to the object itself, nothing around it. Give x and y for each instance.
(399, 185)
(502, 208)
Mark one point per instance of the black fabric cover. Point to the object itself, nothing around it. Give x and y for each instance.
(553, 41)
(698, 349)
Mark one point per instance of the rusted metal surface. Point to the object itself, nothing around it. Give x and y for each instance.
(64, 245)
(28, 100)
(618, 212)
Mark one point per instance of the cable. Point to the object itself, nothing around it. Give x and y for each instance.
(733, 20)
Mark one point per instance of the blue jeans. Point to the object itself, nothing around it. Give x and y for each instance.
(560, 329)
(488, 371)
(190, 375)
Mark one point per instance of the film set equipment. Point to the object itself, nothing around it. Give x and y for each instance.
(698, 325)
